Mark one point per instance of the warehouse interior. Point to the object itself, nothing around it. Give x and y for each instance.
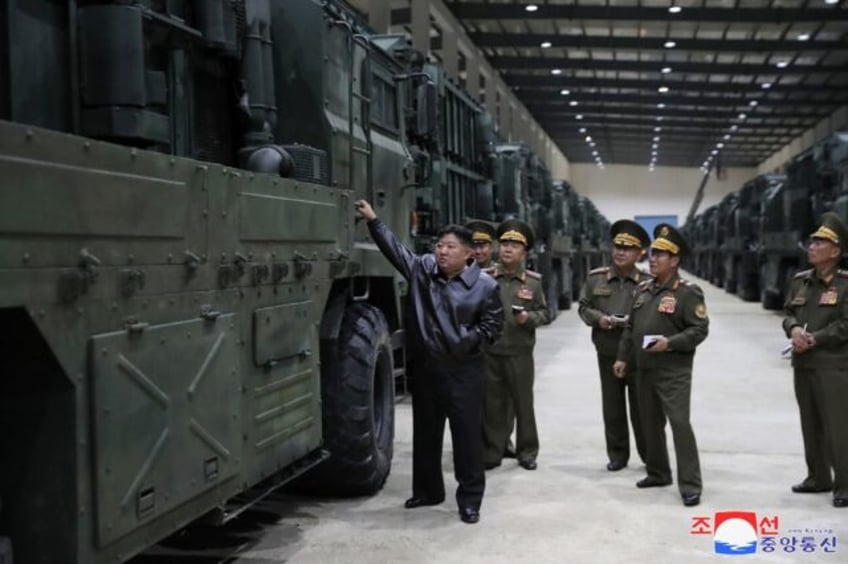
(643, 94)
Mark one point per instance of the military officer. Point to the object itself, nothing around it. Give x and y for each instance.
(667, 322)
(605, 302)
(483, 235)
(509, 361)
(817, 322)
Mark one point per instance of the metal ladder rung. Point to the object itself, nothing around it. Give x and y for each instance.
(362, 97)
(362, 151)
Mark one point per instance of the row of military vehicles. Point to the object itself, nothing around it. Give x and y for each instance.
(752, 243)
(190, 313)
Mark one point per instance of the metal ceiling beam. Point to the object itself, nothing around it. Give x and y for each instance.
(646, 139)
(559, 82)
(600, 129)
(487, 11)
(648, 123)
(678, 100)
(497, 39)
(736, 69)
(542, 109)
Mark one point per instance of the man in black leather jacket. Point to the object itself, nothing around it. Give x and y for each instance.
(456, 308)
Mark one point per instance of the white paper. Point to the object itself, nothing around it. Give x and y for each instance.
(648, 339)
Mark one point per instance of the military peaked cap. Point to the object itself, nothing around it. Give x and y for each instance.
(628, 233)
(481, 232)
(832, 229)
(667, 238)
(516, 230)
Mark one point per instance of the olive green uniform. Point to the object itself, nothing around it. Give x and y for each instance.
(510, 369)
(675, 310)
(821, 375)
(606, 292)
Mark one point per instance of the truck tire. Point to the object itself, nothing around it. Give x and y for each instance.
(769, 300)
(551, 297)
(358, 401)
(746, 284)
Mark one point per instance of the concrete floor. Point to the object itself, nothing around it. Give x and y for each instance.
(571, 509)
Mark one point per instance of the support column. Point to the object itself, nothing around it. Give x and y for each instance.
(472, 75)
(450, 53)
(379, 15)
(421, 25)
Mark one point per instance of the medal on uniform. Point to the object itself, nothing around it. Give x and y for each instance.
(829, 297)
(667, 304)
(525, 293)
(601, 291)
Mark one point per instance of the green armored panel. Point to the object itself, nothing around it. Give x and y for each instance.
(166, 424)
(264, 217)
(276, 335)
(66, 200)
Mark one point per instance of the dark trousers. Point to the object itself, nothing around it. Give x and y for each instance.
(616, 393)
(509, 379)
(822, 395)
(665, 393)
(455, 394)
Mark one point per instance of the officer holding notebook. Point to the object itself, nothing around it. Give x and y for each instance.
(605, 301)
(817, 322)
(667, 322)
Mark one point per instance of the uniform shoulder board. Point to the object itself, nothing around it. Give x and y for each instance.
(599, 270)
(533, 274)
(842, 273)
(685, 282)
(645, 283)
(805, 273)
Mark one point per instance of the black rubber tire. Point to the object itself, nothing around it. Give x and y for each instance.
(769, 300)
(358, 396)
(746, 284)
(551, 297)
(565, 301)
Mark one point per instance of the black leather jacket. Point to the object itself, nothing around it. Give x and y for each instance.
(451, 319)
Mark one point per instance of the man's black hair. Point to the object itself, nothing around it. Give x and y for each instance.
(461, 232)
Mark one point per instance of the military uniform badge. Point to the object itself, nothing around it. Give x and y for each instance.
(525, 293)
(668, 304)
(829, 297)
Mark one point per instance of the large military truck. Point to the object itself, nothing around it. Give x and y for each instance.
(566, 285)
(191, 314)
(741, 246)
(791, 210)
(454, 155)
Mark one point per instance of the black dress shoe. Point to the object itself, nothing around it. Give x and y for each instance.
(414, 502)
(469, 515)
(840, 502)
(651, 483)
(691, 499)
(808, 488)
(615, 465)
(509, 452)
(528, 464)
(491, 465)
